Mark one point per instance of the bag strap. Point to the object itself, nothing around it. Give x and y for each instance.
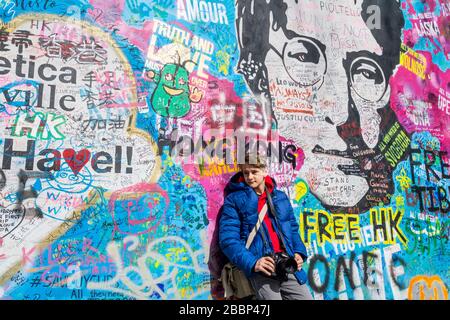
(252, 235)
(275, 214)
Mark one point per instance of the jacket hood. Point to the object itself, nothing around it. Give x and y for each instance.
(237, 183)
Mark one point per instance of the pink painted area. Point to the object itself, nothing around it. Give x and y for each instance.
(407, 89)
(435, 40)
(444, 30)
(431, 4)
(410, 37)
(215, 90)
(108, 14)
(222, 93)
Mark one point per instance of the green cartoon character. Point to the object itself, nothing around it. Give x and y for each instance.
(172, 96)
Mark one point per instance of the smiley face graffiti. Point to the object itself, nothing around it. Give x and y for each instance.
(172, 96)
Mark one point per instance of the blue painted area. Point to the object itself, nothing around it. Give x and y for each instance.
(434, 45)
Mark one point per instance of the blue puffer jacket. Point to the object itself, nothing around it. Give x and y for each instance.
(239, 216)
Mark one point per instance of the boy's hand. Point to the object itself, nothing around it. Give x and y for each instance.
(299, 260)
(265, 265)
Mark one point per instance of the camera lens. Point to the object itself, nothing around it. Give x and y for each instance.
(290, 265)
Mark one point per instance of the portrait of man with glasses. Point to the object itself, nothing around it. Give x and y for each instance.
(324, 68)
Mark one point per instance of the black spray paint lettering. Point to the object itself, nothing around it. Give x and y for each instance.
(223, 149)
(388, 222)
(31, 193)
(14, 216)
(429, 157)
(53, 163)
(348, 271)
(2, 180)
(432, 198)
(392, 271)
(312, 282)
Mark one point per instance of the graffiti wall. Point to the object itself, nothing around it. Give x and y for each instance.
(120, 122)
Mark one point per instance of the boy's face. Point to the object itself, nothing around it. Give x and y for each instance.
(254, 176)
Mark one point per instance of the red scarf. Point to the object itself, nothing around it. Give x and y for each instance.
(262, 199)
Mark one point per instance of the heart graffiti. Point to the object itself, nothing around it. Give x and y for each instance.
(76, 160)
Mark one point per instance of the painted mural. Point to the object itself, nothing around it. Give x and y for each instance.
(121, 122)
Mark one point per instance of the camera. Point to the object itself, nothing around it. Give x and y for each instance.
(284, 265)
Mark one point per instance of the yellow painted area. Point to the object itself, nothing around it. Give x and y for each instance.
(187, 181)
(334, 228)
(391, 221)
(404, 180)
(400, 201)
(218, 169)
(186, 292)
(224, 57)
(300, 190)
(413, 61)
(176, 254)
